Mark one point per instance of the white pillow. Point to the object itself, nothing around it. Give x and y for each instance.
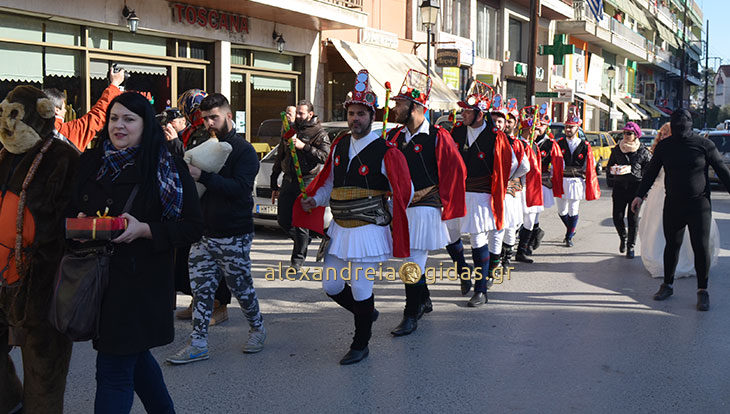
(210, 156)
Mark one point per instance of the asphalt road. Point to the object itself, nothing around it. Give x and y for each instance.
(575, 332)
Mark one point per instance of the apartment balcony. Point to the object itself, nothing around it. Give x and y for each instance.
(665, 16)
(607, 33)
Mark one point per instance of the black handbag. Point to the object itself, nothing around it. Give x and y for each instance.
(79, 287)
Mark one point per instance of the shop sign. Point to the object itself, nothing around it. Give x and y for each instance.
(451, 78)
(381, 38)
(465, 46)
(447, 57)
(487, 78)
(205, 17)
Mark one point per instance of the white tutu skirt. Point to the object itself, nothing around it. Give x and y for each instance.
(368, 243)
(548, 199)
(533, 209)
(426, 230)
(514, 213)
(479, 217)
(574, 188)
(651, 234)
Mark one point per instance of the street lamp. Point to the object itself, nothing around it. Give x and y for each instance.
(429, 14)
(132, 19)
(610, 74)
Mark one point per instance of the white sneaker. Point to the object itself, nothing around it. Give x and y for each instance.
(189, 354)
(255, 343)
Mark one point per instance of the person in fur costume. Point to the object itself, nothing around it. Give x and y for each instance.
(36, 173)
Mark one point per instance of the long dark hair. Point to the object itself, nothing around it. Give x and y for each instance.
(153, 138)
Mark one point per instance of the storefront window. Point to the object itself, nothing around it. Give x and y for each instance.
(486, 31)
(189, 79)
(515, 40)
(238, 103)
(152, 81)
(518, 90)
(270, 96)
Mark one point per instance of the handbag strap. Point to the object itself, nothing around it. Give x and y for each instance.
(132, 195)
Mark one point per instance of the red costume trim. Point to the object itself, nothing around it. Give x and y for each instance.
(452, 176)
(500, 176)
(533, 180)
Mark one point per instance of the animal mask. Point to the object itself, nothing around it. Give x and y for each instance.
(27, 116)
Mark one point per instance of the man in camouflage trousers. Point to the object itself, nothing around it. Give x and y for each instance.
(223, 252)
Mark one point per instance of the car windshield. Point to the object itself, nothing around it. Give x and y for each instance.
(722, 142)
(270, 128)
(594, 140)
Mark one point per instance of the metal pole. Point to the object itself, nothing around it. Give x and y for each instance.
(707, 67)
(532, 57)
(610, 101)
(428, 50)
(683, 66)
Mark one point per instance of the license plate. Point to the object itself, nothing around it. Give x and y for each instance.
(266, 209)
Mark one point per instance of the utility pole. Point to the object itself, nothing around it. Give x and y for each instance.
(707, 67)
(683, 66)
(532, 57)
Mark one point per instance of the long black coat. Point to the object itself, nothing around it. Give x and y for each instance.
(137, 309)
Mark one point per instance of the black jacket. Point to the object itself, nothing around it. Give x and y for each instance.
(228, 200)
(311, 157)
(137, 309)
(685, 157)
(638, 161)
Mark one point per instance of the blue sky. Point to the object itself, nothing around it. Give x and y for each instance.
(718, 14)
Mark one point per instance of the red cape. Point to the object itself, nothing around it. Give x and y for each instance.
(593, 190)
(500, 176)
(452, 176)
(400, 181)
(533, 179)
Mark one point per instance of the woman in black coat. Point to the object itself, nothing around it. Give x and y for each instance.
(137, 309)
(626, 164)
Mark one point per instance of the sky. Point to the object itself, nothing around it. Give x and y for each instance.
(716, 11)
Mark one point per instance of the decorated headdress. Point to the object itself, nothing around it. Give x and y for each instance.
(498, 106)
(527, 117)
(543, 116)
(479, 97)
(189, 102)
(416, 88)
(362, 93)
(573, 117)
(513, 109)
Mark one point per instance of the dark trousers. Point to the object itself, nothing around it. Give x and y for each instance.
(182, 277)
(696, 214)
(118, 377)
(623, 195)
(288, 194)
(46, 355)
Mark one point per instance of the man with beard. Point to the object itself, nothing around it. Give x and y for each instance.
(438, 175)
(575, 178)
(312, 145)
(513, 208)
(685, 157)
(489, 160)
(532, 203)
(547, 148)
(223, 252)
(359, 173)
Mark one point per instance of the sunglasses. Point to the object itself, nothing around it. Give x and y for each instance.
(628, 133)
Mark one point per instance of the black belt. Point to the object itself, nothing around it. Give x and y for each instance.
(371, 210)
(574, 172)
(479, 184)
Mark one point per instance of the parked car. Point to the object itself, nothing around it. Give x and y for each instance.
(443, 121)
(265, 212)
(647, 140)
(601, 144)
(722, 142)
(558, 128)
(269, 132)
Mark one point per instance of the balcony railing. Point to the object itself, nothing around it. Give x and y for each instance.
(663, 55)
(583, 13)
(628, 34)
(350, 4)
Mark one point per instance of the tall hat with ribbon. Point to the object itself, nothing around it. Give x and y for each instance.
(498, 106)
(573, 117)
(543, 117)
(479, 97)
(416, 88)
(513, 108)
(362, 93)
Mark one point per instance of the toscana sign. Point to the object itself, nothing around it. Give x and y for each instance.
(205, 17)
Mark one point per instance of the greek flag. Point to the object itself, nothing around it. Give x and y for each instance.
(596, 7)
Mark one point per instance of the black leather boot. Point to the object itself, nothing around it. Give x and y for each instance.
(414, 308)
(363, 315)
(537, 235)
(525, 238)
(344, 298)
(506, 256)
(427, 305)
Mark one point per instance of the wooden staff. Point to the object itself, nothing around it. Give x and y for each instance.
(294, 156)
(386, 109)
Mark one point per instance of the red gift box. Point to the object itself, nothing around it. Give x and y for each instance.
(95, 228)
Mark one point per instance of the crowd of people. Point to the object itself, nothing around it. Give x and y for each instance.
(401, 193)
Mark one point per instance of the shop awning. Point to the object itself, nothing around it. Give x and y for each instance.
(21, 63)
(99, 70)
(654, 113)
(632, 10)
(667, 35)
(659, 111)
(386, 65)
(641, 112)
(623, 107)
(593, 101)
